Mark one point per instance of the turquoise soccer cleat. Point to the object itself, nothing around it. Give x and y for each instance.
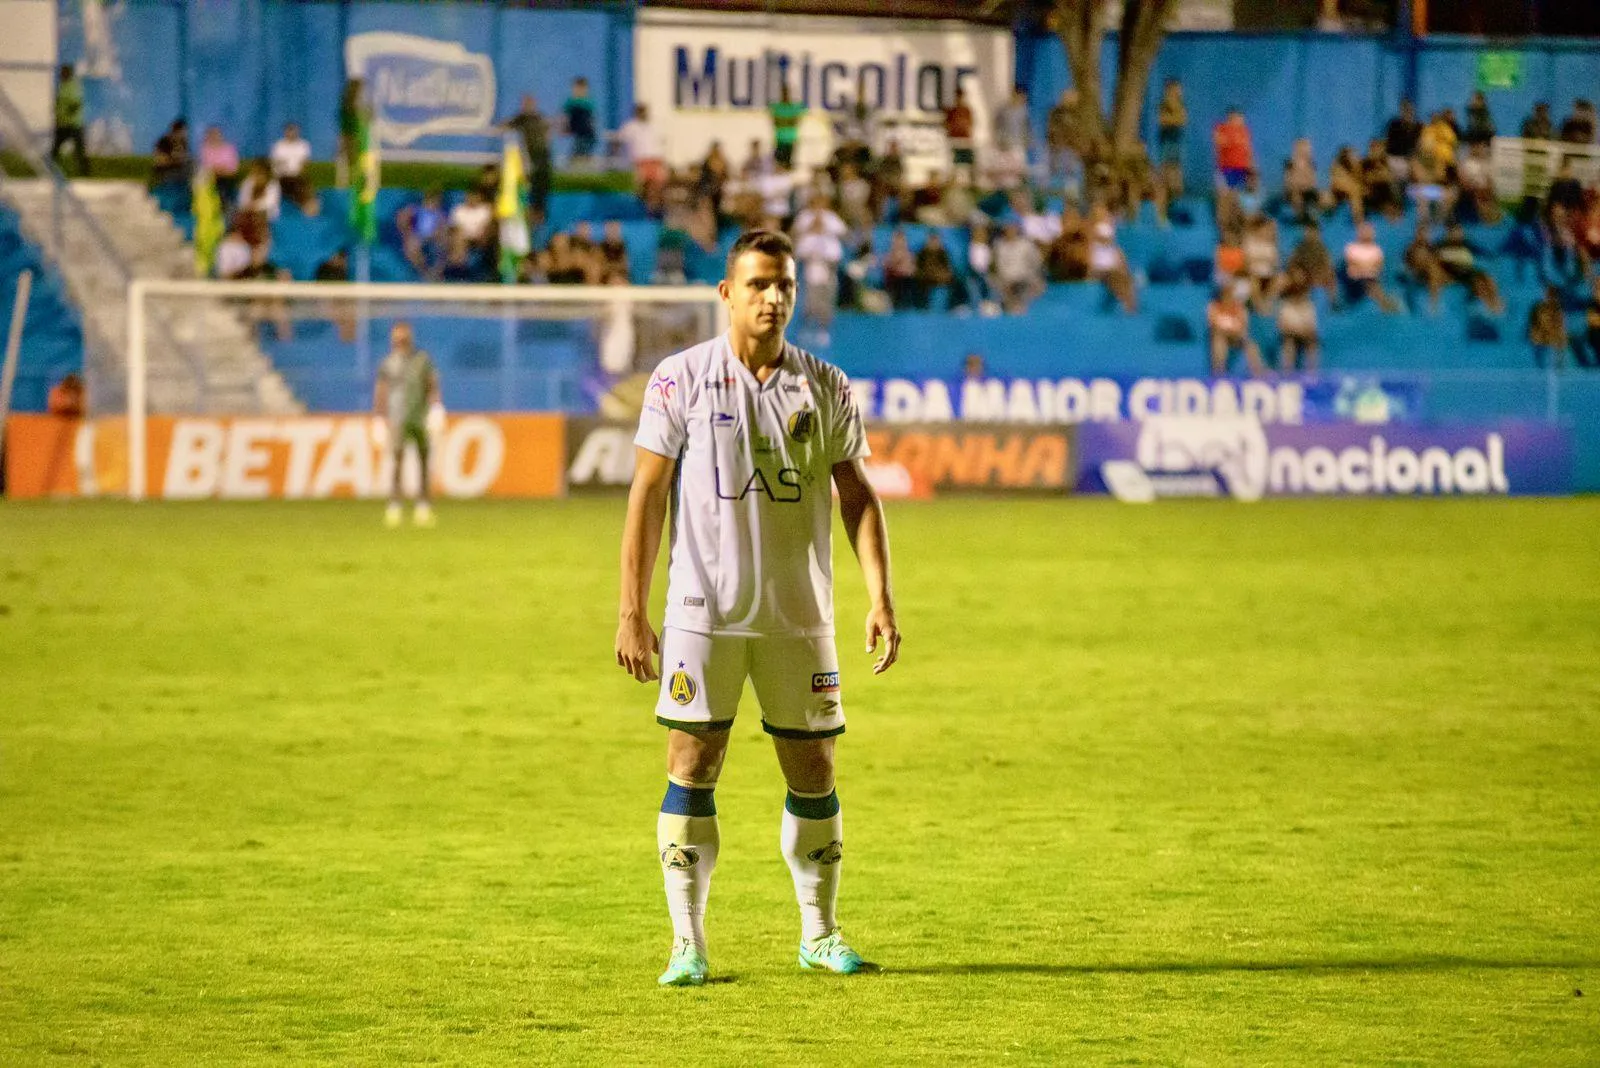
(831, 953)
(687, 966)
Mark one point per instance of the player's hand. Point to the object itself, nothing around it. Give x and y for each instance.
(637, 648)
(880, 623)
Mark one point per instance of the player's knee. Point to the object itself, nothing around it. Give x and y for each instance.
(696, 757)
(807, 763)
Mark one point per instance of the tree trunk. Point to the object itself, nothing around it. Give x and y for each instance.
(1081, 26)
(1144, 26)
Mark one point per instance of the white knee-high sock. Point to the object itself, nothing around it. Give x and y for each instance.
(687, 838)
(813, 845)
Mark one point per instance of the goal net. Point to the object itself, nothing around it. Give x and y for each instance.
(265, 388)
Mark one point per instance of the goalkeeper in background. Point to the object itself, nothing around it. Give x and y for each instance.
(407, 410)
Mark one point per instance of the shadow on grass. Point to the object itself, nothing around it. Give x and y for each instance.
(1437, 963)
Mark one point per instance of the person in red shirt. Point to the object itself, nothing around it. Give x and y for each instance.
(1235, 156)
(67, 397)
(958, 131)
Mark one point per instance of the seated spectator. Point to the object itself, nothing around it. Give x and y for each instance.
(934, 271)
(888, 177)
(1018, 270)
(1067, 257)
(613, 252)
(221, 157)
(565, 265)
(1228, 322)
(1458, 258)
(1107, 264)
(671, 258)
(855, 290)
(900, 272)
(424, 234)
(1565, 188)
(260, 191)
(472, 222)
(1262, 260)
(1565, 254)
(171, 163)
(1038, 225)
(1311, 255)
(1064, 144)
(1588, 354)
(1134, 182)
(1363, 270)
(1346, 183)
(1587, 228)
(1401, 136)
(1424, 266)
(756, 162)
(1538, 126)
(67, 397)
(712, 181)
(819, 252)
(976, 283)
(926, 201)
(1380, 193)
(336, 268)
(642, 147)
(235, 258)
(1300, 180)
(1480, 124)
(290, 154)
(777, 188)
(819, 211)
(1229, 267)
(1477, 202)
(1579, 126)
(1298, 340)
(855, 199)
(1547, 330)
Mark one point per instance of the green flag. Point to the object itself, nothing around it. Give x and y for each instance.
(364, 189)
(208, 224)
(511, 207)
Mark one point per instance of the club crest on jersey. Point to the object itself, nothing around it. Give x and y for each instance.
(831, 853)
(681, 687)
(803, 424)
(679, 857)
(825, 682)
(659, 392)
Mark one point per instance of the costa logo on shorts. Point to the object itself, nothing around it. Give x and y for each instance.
(802, 424)
(682, 687)
(825, 682)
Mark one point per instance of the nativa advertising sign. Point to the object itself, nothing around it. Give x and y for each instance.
(420, 86)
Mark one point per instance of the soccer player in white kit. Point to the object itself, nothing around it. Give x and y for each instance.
(744, 438)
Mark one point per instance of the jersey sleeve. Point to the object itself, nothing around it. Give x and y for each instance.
(663, 421)
(848, 437)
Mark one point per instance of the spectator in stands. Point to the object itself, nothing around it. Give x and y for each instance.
(534, 131)
(1132, 182)
(472, 231)
(1312, 257)
(855, 290)
(925, 204)
(1565, 188)
(1066, 259)
(1064, 143)
(1477, 202)
(671, 253)
(1578, 127)
(855, 199)
(1587, 228)
(584, 245)
(1228, 322)
(171, 163)
(1346, 184)
(260, 191)
(1013, 132)
(1298, 340)
(613, 252)
(1547, 330)
(1018, 270)
(1437, 146)
(567, 266)
(1588, 354)
(487, 183)
(888, 181)
(221, 157)
(355, 113)
(1424, 266)
(424, 234)
(973, 368)
(1538, 126)
(235, 259)
(856, 131)
(958, 132)
(1433, 169)
(976, 283)
(289, 156)
(1400, 139)
(579, 114)
(1262, 260)
(1229, 267)
(1565, 255)
(777, 189)
(1458, 258)
(67, 397)
(1038, 224)
(1107, 263)
(786, 115)
(336, 268)
(715, 171)
(1236, 158)
(900, 272)
(756, 162)
(1363, 270)
(819, 211)
(1380, 192)
(935, 271)
(1172, 119)
(641, 144)
(1300, 180)
(69, 119)
(1480, 123)
(819, 252)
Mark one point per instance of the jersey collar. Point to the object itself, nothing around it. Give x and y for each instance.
(784, 363)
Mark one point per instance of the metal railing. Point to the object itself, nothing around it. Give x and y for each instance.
(72, 222)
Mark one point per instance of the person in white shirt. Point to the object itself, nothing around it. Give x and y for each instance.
(289, 156)
(1018, 270)
(234, 259)
(1363, 270)
(645, 151)
(819, 214)
(819, 253)
(741, 437)
(261, 192)
(471, 219)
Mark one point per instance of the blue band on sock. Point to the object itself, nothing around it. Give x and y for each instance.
(689, 800)
(813, 808)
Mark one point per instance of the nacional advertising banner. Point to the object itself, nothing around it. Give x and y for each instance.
(710, 77)
(1125, 398)
(420, 86)
(292, 457)
(1239, 457)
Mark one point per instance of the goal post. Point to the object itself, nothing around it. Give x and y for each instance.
(280, 350)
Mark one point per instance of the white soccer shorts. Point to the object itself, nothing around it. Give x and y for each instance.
(796, 682)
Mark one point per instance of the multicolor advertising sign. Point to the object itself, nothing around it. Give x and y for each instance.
(1242, 458)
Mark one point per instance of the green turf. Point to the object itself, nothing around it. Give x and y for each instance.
(1295, 783)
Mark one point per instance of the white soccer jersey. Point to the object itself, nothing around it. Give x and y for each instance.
(752, 519)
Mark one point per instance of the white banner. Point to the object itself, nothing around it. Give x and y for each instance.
(711, 77)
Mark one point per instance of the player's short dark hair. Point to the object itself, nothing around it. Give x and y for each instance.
(771, 242)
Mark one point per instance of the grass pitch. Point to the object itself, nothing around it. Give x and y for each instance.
(1295, 783)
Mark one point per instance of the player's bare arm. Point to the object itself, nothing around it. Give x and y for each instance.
(869, 537)
(637, 643)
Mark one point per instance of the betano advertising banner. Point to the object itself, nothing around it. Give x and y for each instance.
(296, 457)
(711, 77)
(1118, 398)
(1242, 458)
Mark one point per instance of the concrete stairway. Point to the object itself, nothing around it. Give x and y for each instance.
(202, 353)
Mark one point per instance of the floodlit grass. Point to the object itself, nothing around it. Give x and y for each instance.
(1294, 783)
